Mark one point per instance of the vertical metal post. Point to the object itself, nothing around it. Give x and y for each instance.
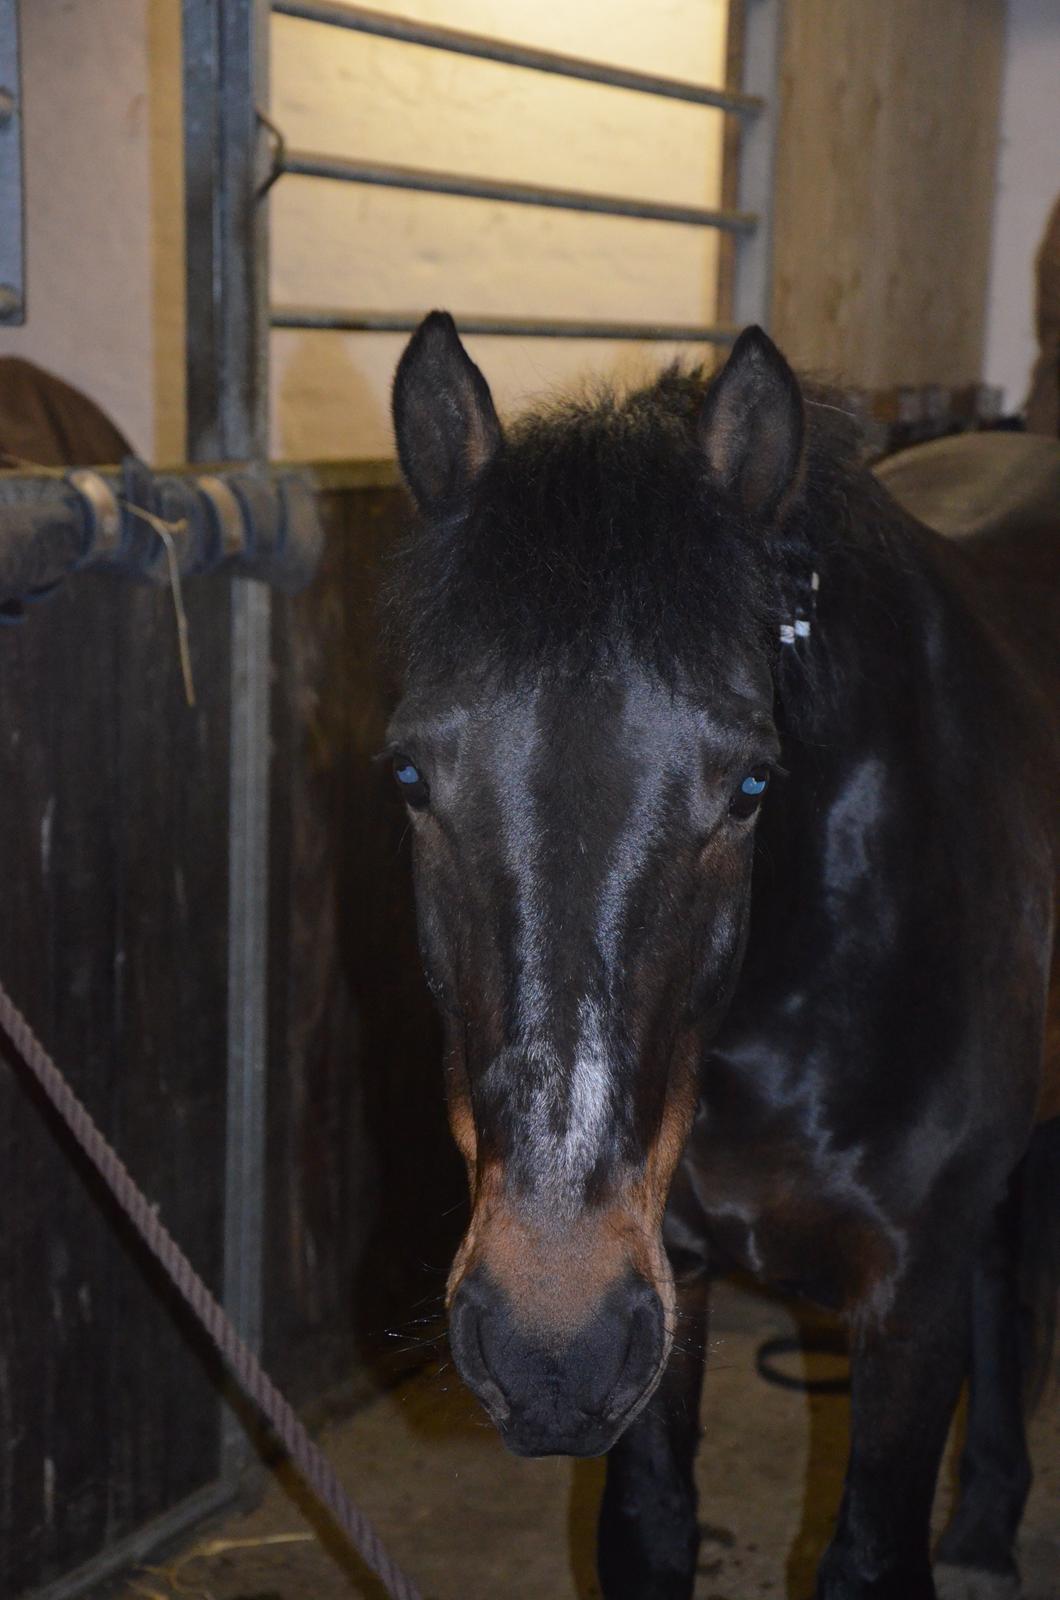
(225, 83)
(753, 268)
(12, 274)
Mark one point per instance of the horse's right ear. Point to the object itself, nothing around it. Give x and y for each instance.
(445, 422)
(752, 424)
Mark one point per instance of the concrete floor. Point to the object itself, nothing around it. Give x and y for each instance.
(471, 1522)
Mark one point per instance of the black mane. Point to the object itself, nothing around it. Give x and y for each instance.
(597, 528)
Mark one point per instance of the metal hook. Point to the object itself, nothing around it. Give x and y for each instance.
(277, 155)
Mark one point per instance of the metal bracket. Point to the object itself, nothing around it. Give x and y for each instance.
(12, 271)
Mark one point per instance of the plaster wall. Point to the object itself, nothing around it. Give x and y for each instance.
(103, 213)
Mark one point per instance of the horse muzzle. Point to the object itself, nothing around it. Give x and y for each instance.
(554, 1390)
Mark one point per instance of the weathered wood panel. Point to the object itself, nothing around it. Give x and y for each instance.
(113, 848)
(365, 1188)
(885, 185)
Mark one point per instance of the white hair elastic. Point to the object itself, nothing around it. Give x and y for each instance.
(801, 627)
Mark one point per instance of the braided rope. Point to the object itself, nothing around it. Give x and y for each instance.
(311, 1462)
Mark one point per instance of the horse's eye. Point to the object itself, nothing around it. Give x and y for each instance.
(411, 782)
(748, 797)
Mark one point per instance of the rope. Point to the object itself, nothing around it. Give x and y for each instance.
(255, 1383)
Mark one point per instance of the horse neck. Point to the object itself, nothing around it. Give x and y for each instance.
(882, 618)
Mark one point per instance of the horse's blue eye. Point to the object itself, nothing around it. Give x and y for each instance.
(414, 787)
(744, 802)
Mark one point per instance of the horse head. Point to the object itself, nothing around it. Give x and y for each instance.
(588, 615)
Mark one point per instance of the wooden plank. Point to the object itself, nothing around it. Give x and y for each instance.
(112, 845)
(885, 184)
(167, 1106)
(56, 954)
(366, 1191)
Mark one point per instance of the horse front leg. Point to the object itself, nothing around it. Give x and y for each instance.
(905, 1380)
(975, 1555)
(648, 1539)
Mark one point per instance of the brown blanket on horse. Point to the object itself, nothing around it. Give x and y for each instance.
(976, 484)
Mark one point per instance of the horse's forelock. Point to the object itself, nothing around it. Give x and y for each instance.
(597, 533)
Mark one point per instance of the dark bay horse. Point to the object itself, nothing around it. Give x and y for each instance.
(734, 793)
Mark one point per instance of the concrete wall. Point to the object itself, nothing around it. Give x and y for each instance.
(1027, 188)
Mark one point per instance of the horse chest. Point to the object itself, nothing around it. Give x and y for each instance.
(794, 1222)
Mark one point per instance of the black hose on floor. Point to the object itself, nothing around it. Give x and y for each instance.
(820, 1343)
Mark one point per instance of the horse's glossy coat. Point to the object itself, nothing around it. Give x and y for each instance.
(829, 1068)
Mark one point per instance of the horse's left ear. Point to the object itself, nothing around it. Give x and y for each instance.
(444, 419)
(752, 424)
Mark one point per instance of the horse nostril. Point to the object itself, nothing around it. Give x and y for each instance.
(643, 1353)
(469, 1317)
(558, 1390)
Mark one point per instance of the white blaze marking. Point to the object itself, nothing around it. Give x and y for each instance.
(590, 1092)
(582, 1086)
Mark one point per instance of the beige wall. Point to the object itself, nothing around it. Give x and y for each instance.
(104, 236)
(386, 249)
(885, 184)
(104, 204)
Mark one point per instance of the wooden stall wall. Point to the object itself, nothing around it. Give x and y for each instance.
(884, 187)
(114, 855)
(113, 852)
(366, 1194)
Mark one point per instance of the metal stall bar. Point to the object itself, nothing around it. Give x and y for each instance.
(338, 169)
(225, 84)
(505, 327)
(406, 30)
